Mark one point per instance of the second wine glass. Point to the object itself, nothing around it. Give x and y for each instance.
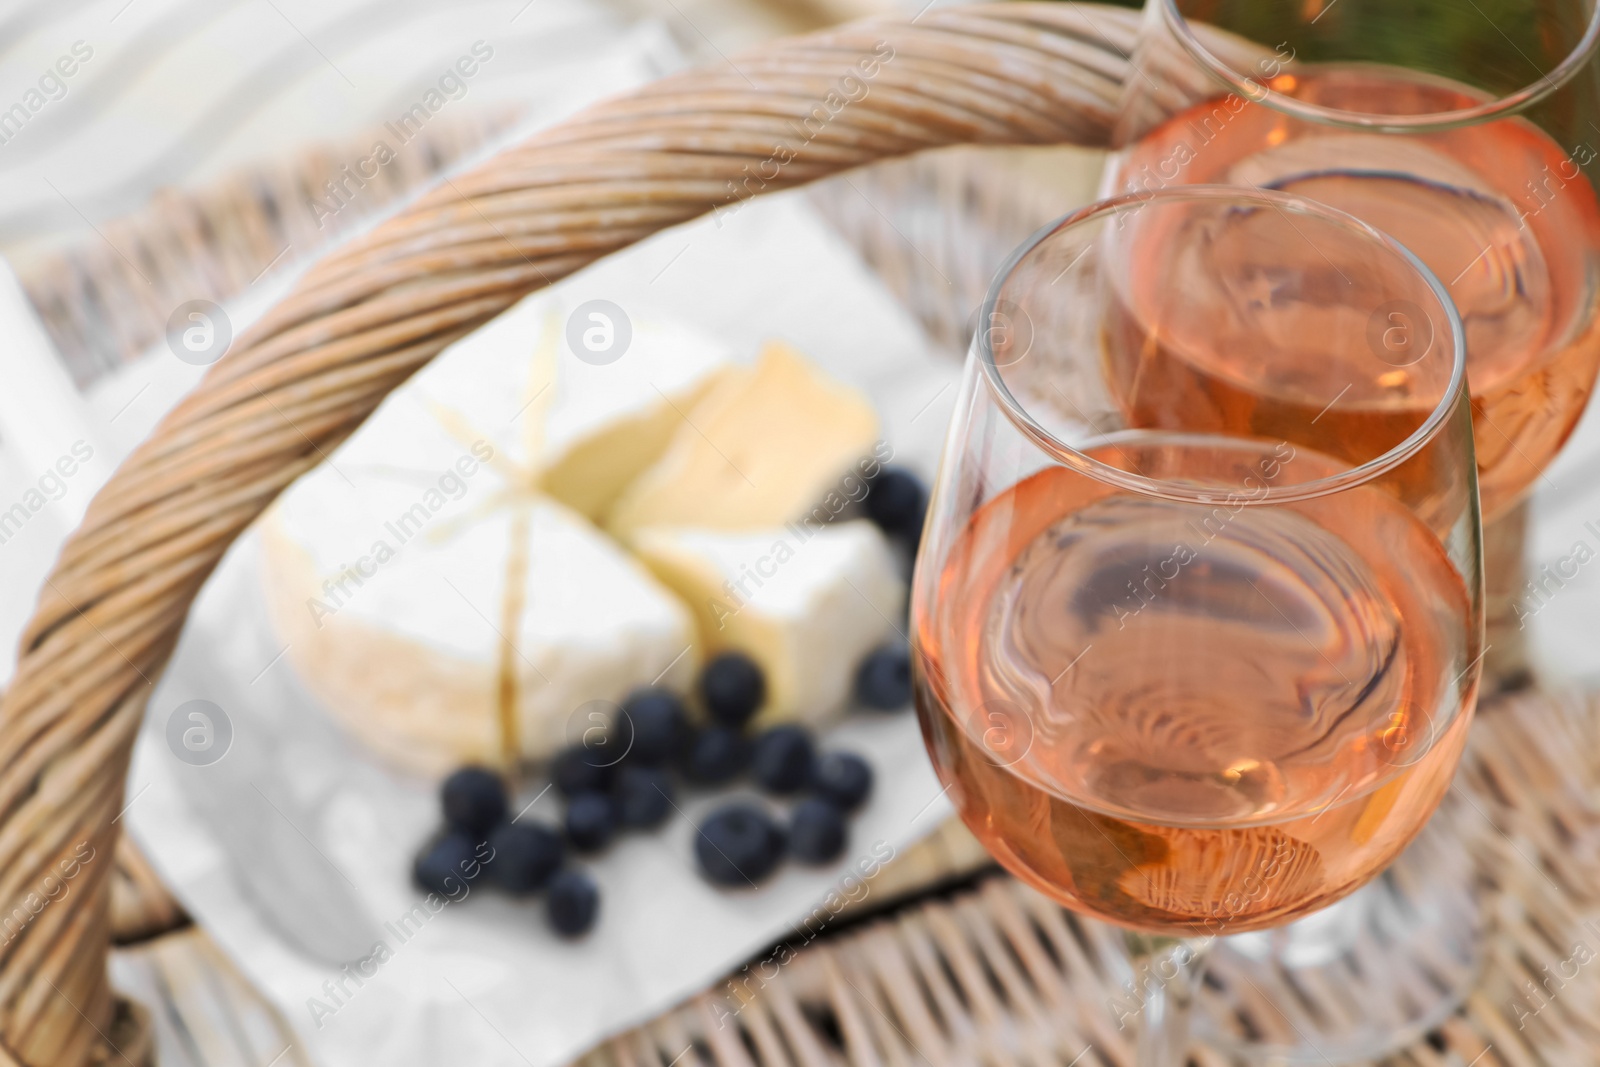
(1468, 133)
(1183, 665)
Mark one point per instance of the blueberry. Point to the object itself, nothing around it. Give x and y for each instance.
(781, 761)
(660, 725)
(644, 797)
(717, 755)
(591, 821)
(817, 831)
(738, 845)
(883, 680)
(897, 501)
(583, 769)
(911, 537)
(573, 905)
(526, 856)
(449, 862)
(842, 778)
(474, 799)
(732, 687)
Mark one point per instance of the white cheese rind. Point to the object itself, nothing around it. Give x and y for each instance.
(386, 576)
(422, 496)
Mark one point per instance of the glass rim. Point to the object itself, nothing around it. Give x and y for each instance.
(1500, 106)
(1191, 492)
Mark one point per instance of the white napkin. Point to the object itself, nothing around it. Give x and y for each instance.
(483, 981)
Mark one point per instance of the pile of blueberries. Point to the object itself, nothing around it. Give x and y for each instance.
(626, 777)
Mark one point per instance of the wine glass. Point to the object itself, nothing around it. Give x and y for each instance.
(1188, 660)
(1467, 132)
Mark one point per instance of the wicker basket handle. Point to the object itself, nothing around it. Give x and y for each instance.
(371, 314)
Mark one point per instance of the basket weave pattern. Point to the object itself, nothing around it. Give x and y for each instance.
(364, 319)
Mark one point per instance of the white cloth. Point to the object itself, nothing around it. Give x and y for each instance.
(177, 93)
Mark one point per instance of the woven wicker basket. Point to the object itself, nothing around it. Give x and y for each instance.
(368, 316)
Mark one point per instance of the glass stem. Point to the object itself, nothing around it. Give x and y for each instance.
(1167, 973)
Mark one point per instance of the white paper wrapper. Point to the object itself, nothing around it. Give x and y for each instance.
(482, 981)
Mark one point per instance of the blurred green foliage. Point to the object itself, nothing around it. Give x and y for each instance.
(1497, 45)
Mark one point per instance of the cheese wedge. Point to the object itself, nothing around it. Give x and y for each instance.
(805, 602)
(760, 449)
(607, 424)
(419, 628)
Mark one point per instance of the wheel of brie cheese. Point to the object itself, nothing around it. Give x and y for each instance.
(517, 533)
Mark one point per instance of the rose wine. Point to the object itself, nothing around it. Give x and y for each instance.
(1499, 212)
(1189, 718)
